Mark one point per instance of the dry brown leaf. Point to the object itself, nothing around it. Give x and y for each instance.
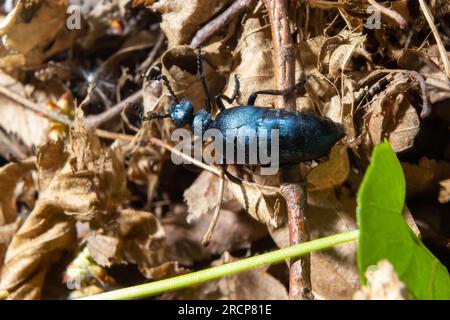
(444, 193)
(201, 196)
(184, 241)
(382, 284)
(7, 232)
(427, 63)
(46, 21)
(144, 243)
(105, 250)
(180, 19)
(423, 178)
(179, 65)
(10, 175)
(336, 52)
(84, 182)
(27, 125)
(255, 69)
(332, 173)
(265, 204)
(38, 243)
(391, 115)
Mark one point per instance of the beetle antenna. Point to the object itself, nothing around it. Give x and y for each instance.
(153, 115)
(203, 78)
(168, 86)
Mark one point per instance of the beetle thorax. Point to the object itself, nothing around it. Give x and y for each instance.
(202, 120)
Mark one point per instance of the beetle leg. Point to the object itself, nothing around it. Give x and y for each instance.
(208, 235)
(228, 99)
(231, 177)
(203, 78)
(254, 95)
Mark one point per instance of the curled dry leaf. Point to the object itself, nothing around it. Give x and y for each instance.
(390, 114)
(180, 19)
(38, 243)
(427, 63)
(46, 21)
(83, 182)
(105, 250)
(10, 175)
(143, 239)
(382, 284)
(350, 44)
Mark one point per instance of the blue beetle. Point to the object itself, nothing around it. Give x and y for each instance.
(302, 136)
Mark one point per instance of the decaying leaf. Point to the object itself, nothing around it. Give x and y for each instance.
(144, 244)
(382, 284)
(179, 65)
(10, 175)
(265, 204)
(255, 70)
(181, 18)
(81, 182)
(253, 285)
(391, 115)
(201, 197)
(46, 21)
(105, 250)
(27, 125)
(235, 230)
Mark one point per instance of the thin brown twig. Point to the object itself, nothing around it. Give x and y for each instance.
(152, 55)
(99, 119)
(34, 106)
(40, 110)
(160, 143)
(293, 187)
(443, 53)
(224, 18)
(208, 235)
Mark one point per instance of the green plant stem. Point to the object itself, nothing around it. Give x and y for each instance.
(194, 278)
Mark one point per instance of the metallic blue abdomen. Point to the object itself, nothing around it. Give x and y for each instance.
(302, 136)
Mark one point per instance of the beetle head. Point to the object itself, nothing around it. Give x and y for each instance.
(182, 113)
(331, 131)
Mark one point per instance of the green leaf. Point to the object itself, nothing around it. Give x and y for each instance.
(384, 233)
